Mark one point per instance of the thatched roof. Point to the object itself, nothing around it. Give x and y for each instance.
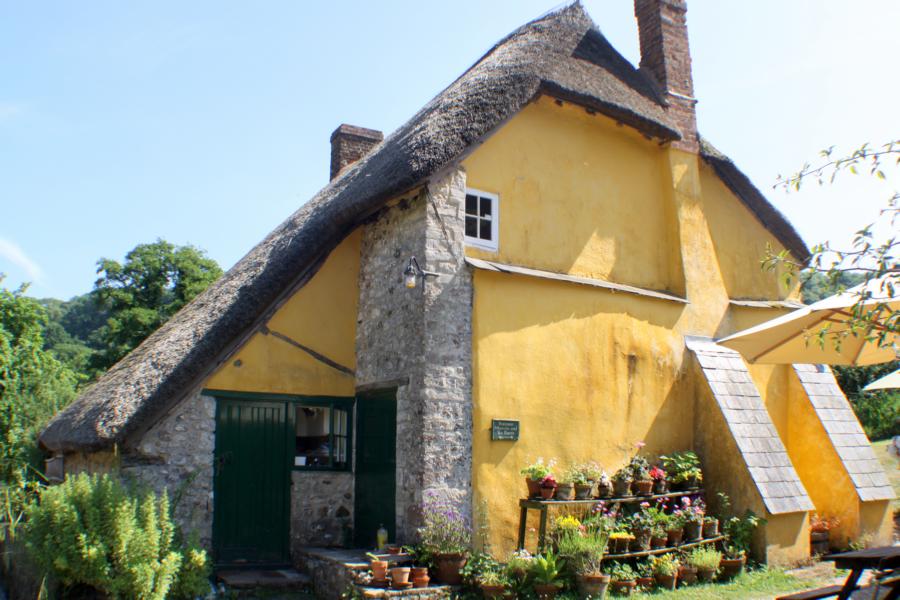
(561, 53)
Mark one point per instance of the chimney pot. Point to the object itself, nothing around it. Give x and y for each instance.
(349, 143)
(666, 56)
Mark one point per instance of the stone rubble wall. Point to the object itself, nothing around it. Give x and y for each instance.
(422, 335)
(321, 509)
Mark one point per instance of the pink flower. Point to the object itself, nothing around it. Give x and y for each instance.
(640, 445)
(645, 505)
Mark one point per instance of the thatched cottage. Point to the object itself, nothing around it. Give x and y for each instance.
(581, 246)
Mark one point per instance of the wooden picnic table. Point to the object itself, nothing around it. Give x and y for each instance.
(885, 558)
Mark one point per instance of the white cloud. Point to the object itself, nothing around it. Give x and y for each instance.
(10, 251)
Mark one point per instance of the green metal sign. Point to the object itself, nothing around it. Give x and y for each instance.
(504, 430)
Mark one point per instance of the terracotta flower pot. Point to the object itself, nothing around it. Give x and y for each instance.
(546, 591)
(379, 569)
(642, 539)
(674, 536)
(400, 575)
(392, 549)
(711, 528)
(658, 542)
(421, 582)
(592, 586)
(583, 492)
(448, 566)
(622, 489)
(534, 487)
(818, 542)
(666, 582)
(687, 575)
(604, 489)
(660, 487)
(706, 575)
(645, 583)
(623, 588)
(732, 567)
(643, 488)
(693, 532)
(547, 493)
(493, 591)
(565, 491)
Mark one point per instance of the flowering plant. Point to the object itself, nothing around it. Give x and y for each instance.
(623, 474)
(601, 517)
(567, 523)
(640, 468)
(587, 472)
(819, 524)
(692, 511)
(445, 530)
(657, 474)
(664, 565)
(549, 482)
(538, 469)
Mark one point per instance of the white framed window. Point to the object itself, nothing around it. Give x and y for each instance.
(482, 219)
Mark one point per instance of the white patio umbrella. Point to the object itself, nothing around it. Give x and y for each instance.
(792, 338)
(888, 382)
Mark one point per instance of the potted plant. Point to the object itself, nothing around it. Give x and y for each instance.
(692, 514)
(642, 527)
(493, 582)
(445, 536)
(706, 561)
(660, 483)
(584, 551)
(710, 527)
(545, 573)
(622, 482)
(400, 576)
(619, 541)
(548, 487)
(604, 486)
(665, 570)
(584, 476)
(644, 576)
(687, 574)
(674, 529)
(683, 469)
(739, 530)
(535, 473)
(518, 565)
(642, 484)
(820, 533)
(622, 579)
(378, 566)
(419, 576)
(658, 537)
(565, 485)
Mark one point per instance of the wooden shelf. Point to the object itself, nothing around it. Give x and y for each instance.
(536, 503)
(665, 550)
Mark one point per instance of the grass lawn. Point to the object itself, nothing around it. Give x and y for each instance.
(890, 463)
(754, 585)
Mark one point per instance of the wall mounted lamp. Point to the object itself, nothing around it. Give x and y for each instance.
(413, 271)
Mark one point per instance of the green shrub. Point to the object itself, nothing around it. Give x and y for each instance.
(90, 530)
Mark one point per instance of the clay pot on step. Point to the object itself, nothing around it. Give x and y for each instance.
(583, 492)
(665, 582)
(604, 489)
(592, 586)
(623, 588)
(547, 492)
(622, 489)
(711, 528)
(687, 575)
(693, 532)
(421, 582)
(534, 487)
(660, 487)
(674, 536)
(379, 569)
(732, 567)
(643, 488)
(565, 491)
(400, 576)
(658, 542)
(448, 566)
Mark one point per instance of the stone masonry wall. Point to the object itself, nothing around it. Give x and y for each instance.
(422, 335)
(321, 509)
(177, 454)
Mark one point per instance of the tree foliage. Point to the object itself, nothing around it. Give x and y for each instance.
(33, 383)
(142, 293)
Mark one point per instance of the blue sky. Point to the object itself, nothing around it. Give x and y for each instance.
(207, 122)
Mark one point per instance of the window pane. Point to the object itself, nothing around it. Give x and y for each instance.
(472, 226)
(485, 229)
(486, 206)
(313, 436)
(471, 204)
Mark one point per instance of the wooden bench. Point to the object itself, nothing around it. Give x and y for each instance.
(822, 592)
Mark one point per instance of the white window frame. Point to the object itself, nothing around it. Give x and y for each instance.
(494, 243)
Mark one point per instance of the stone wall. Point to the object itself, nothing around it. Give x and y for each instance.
(177, 454)
(321, 509)
(421, 336)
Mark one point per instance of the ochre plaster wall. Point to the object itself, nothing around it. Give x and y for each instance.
(588, 373)
(321, 316)
(578, 195)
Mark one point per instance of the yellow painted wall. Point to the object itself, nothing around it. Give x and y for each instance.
(322, 316)
(589, 377)
(571, 185)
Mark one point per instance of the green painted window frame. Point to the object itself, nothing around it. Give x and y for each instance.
(347, 404)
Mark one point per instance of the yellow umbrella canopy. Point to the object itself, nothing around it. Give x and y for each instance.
(888, 382)
(794, 337)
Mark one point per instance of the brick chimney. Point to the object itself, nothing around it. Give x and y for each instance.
(349, 144)
(662, 26)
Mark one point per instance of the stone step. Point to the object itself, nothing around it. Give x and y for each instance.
(269, 579)
(427, 593)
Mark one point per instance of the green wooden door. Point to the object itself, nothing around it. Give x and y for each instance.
(376, 477)
(251, 518)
